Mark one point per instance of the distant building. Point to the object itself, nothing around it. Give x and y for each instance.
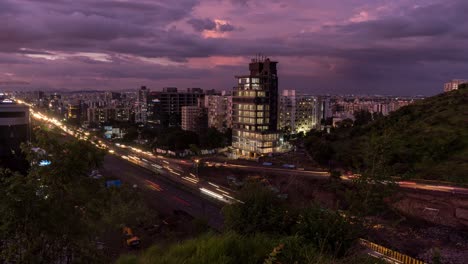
(74, 113)
(323, 110)
(297, 112)
(255, 110)
(287, 111)
(103, 115)
(109, 96)
(194, 118)
(98, 115)
(306, 113)
(14, 130)
(219, 109)
(122, 114)
(141, 105)
(39, 98)
(166, 106)
(344, 107)
(453, 84)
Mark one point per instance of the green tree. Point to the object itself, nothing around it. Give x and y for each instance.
(319, 148)
(362, 117)
(130, 134)
(212, 139)
(346, 123)
(463, 86)
(260, 211)
(376, 183)
(330, 231)
(55, 213)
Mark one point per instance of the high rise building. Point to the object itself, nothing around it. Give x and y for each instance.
(287, 111)
(323, 109)
(453, 84)
(306, 114)
(98, 115)
(39, 98)
(14, 130)
(102, 115)
(194, 118)
(74, 113)
(122, 114)
(298, 113)
(219, 109)
(166, 106)
(141, 105)
(255, 110)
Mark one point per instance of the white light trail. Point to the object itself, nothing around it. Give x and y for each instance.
(212, 194)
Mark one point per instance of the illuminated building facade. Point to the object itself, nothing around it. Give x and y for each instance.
(453, 85)
(103, 115)
(298, 112)
(219, 109)
(141, 105)
(287, 111)
(255, 110)
(306, 114)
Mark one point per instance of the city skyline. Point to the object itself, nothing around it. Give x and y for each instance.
(233, 131)
(358, 47)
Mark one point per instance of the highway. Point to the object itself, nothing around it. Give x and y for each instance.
(164, 195)
(432, 187)
(167, 184)
(289, 172)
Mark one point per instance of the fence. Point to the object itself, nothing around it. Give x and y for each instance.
(391, 253)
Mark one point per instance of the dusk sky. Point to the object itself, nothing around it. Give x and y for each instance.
(398, 47)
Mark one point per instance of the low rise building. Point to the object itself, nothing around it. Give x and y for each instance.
(453, 84)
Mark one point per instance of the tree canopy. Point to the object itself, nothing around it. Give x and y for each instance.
(427, 139)
(56, 213)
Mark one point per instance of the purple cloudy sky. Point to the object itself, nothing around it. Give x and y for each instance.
(402, 47)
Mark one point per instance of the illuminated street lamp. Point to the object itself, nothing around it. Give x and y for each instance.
(197, 162)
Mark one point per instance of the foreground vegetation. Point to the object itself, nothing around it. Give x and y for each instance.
(57, 213)
(232, 248)
(425, 140)
(264, 229)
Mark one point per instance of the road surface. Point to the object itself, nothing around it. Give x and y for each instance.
(161, 193)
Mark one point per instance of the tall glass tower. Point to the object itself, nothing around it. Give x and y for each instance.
(255, 110)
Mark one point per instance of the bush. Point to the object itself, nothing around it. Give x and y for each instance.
(261, 211)
(231, 248)
(327, 230)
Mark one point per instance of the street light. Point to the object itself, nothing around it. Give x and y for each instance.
(197, 162)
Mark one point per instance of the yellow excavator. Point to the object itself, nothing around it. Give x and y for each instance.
(130, 238)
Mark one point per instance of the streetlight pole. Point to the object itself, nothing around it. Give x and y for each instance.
(197, 162)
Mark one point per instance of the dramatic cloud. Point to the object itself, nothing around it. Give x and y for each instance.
(202, 24)
(359, 46)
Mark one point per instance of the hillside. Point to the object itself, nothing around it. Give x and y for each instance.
(426, 140)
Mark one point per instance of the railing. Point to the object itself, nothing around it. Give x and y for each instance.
(390, 253)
